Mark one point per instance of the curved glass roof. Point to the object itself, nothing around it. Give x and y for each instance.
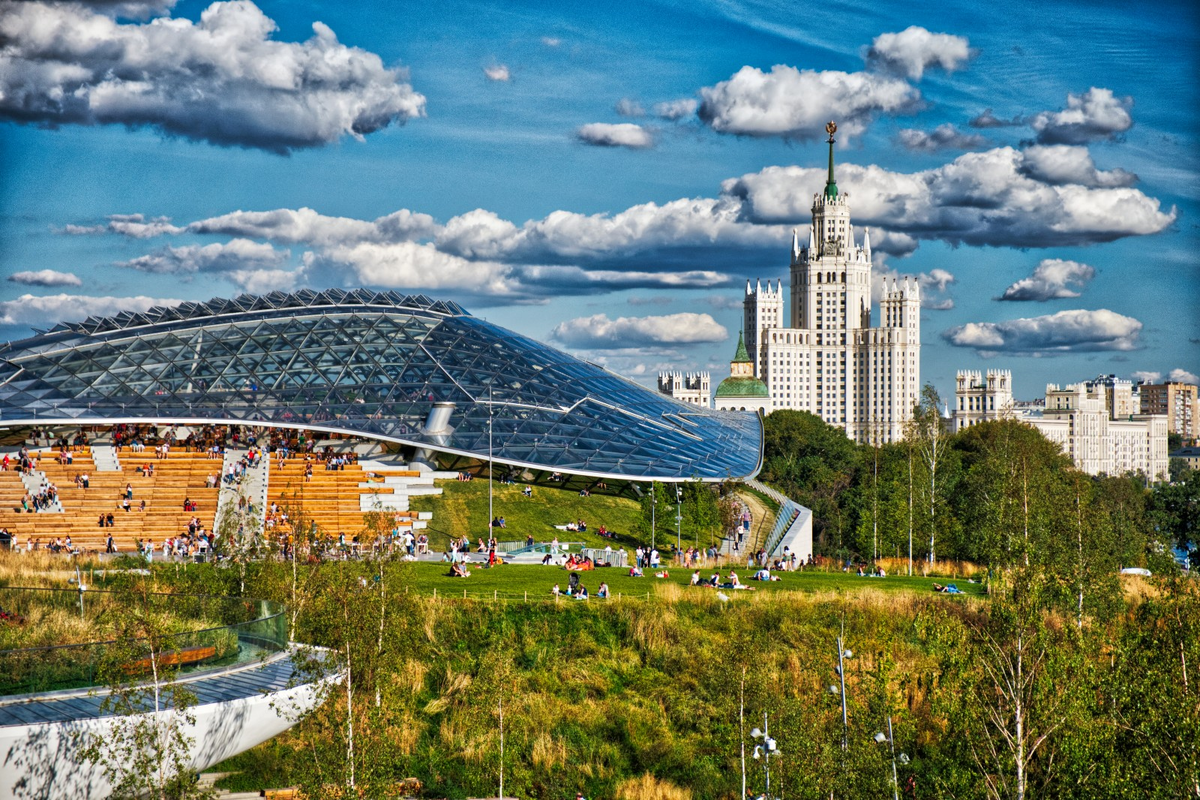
(373, 364)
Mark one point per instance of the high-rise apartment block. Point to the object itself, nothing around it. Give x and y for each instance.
(1177, 401)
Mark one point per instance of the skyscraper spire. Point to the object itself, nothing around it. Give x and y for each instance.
(831, 184)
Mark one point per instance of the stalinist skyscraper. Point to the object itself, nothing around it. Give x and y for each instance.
(830, 361)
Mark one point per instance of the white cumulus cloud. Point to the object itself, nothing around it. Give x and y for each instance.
(409, 265)
(943, 137)
(138, 227)
(978, 199)
(497, 72)
(989, 120)
(600, 332)
(1183, 376)
(1148, 377)
(1063, 163)
(236, 254)
(675, 109)
(621, 134)
(49, 310)
(628, 107)
(222, 79)
(1052, 279)
(46, 277)
(913, 50)
(1065, 332)
(135, 226)
(1096, 114)
(796, 104)
(304, 225)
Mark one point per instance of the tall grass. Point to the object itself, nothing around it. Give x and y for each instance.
(40, 568)
(648, 787)
(938, 569)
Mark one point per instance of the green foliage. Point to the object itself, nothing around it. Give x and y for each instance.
(814, 464)
(1174, 513)
(595, 693)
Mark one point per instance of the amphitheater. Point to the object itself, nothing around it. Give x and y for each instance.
(186, 486)
(405, 389)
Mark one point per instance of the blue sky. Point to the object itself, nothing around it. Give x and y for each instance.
(606, 177)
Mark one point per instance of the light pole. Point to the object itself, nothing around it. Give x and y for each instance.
(764, 751)
(843, 654)
(491, 511)
(653, 510)
(678, 518)
(881, 738)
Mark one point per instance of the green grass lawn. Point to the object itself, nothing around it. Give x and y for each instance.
(462, 509)
(518, 581)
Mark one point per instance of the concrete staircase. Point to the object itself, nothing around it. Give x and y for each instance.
(391, 485)
(35, 481)
(253, 484)
(104, 458)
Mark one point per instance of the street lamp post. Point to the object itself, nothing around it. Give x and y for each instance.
(843, 654)
(653, 510)
(678, 518)
(764, 751)
(491, 465)
(881, 738)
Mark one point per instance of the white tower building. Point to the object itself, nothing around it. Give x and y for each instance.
(830, 361)
(979, 399)
(691, 388)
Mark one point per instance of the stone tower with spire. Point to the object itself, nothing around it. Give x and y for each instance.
(830, 361)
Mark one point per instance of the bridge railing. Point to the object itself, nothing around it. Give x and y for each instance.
(229, 631)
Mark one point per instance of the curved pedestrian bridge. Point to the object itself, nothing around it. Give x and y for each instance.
(243, 683)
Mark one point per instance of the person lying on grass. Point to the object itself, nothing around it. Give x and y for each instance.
(732, 582)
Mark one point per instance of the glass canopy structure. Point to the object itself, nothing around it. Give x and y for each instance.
(397, 368)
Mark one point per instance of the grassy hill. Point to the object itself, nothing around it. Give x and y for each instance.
(463, 509)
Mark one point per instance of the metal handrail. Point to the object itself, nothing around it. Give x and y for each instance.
(71, 666)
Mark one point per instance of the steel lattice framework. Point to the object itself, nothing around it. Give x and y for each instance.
(372, 364)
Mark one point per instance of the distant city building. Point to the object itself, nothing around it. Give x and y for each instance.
(1095, 423)
(1122, 395)
(741, 391)
(694, 387)
(830, 361)
(1079, 419)
(1177, 401)
(978, 398)
(1189, 455)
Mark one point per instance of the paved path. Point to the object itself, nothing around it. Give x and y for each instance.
(760, 527)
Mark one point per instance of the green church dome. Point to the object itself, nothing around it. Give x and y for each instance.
(742, 387)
